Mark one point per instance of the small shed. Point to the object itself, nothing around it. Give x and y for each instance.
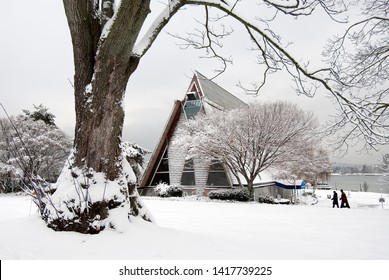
(278, 188)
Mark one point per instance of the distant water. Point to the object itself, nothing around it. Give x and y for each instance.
(355, 183)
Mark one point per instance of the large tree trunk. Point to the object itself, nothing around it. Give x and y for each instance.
(103, 64)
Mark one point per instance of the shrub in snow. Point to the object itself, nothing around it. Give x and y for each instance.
(271, 200)
(266, 199)
(164, 190)
(161, 189)
(9, 178)
(233, 194)
(309, 193)
(135, 156)
(174, 191)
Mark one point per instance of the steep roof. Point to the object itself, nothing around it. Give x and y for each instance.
(212, 94)
(217, 94)
(163, 140)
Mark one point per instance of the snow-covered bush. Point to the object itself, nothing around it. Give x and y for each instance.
(9, 178)
(164, 190)
(266, 199)
(161, 189)
(233, 194)
(271, 200)
(309, 193)
(174, 191)
(135, 156)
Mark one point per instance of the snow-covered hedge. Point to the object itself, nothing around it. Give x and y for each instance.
(271, 200)
(266, 199)
(164, 190)
(233, 194)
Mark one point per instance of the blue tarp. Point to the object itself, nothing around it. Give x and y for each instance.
(300, 184)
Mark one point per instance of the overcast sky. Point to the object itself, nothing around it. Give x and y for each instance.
(36, 66)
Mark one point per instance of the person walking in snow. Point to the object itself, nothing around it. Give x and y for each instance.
(335, 200)
(344, 200)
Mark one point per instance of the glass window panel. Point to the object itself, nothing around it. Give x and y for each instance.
(189, 165)
(163, 166)
(161, 178)
(188, 179)
(215, 166)
(217, 179)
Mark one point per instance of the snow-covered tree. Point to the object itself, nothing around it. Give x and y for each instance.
(41, 113)
(312, 164)
(250, 140)
(110, 38)
(33, 146)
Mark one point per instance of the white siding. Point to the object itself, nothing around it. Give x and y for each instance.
(177, 161)
(201, 172)
(176, 156)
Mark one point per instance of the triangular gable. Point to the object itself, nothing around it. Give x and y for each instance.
(200, 90)
(195, 86)
(161, 147)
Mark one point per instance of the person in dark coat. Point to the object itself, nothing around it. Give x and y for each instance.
(344, 200)
(335, 200)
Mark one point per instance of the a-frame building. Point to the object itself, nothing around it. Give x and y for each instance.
(167, 163)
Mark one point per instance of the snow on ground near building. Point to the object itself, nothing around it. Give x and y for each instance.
(188, 228)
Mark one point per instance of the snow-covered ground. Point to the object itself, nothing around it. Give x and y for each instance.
(188, 228)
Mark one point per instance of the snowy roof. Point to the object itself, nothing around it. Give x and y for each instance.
(216, 94)
(264, 178)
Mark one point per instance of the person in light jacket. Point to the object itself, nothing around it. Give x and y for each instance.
(344, 200)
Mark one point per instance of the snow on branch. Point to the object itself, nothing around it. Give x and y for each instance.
(109, 11)
(359, 62)
(143, 45)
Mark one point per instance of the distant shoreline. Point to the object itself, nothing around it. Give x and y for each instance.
(374, 182)
(360, 174)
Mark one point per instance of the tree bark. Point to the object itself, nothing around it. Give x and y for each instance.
(103, 66)
(103, 40)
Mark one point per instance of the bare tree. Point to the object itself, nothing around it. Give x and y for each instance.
(250, 140)
(384, 168)
(107, 48)
(359, 62)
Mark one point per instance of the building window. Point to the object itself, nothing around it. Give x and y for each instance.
(162, 173)
(192, 107)
(217, 175)
(191, 96)
(188, 175)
